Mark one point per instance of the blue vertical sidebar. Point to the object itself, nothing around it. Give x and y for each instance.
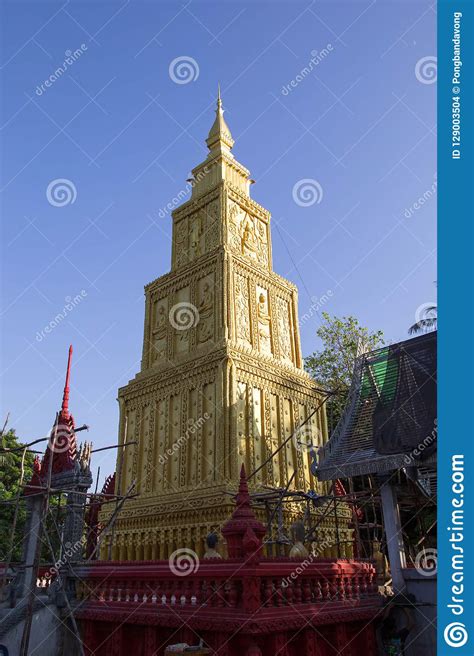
(455, 328)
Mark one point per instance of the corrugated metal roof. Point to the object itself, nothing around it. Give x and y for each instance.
(390, 417)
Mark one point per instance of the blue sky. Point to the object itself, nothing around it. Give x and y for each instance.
(126, 135)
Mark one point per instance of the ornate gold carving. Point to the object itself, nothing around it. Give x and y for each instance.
(284, 337)
(264, 322)
(181, 242)
(247, 234)
(181, 328)
(159, 332)
(242, 310)
(205, 327)
(196, 235)
(267, 436)
(212, 225)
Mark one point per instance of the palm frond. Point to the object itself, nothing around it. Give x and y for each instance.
(423, 325)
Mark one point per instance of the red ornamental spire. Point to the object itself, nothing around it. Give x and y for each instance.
(65, 403)
(242, 500)
(62, 443)
(243, 531)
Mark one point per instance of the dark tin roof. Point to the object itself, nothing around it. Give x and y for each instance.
(390, 417)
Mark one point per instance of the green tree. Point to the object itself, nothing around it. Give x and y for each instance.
(333, 365)
(10, 472)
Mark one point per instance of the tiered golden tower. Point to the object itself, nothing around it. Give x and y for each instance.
(221, 379)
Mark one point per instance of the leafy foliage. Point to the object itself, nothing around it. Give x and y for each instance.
(10, 470)
(333, 365)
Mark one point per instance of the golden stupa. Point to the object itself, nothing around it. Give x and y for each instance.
(221, 381)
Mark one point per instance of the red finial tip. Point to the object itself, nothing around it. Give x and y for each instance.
(243, 497)
(65, 404)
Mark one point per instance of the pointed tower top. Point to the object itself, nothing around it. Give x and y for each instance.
(220, 164)
(219, 137)
(65, 403)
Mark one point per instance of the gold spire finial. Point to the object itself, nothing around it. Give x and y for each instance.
(219, 134)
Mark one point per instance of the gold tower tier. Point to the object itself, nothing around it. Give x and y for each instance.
(222, 380)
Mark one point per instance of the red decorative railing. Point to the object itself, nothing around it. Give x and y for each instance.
(231, 583)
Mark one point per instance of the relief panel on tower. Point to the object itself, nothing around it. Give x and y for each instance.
(208, 433)
(180, 242)
(144, 449)
(175, 433)
(241, 423)
(128, 454)
(247, 234)
(196, 234)
(278, 471)
(182, 317)
(259, 450)
(206, 309)
(160, 457)
(193, 439)
(242, 311)
(287, 425)
(212, 212)
(263, 322)
(159, 330)
(284, 330)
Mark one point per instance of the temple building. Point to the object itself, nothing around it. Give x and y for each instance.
(221, 382)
